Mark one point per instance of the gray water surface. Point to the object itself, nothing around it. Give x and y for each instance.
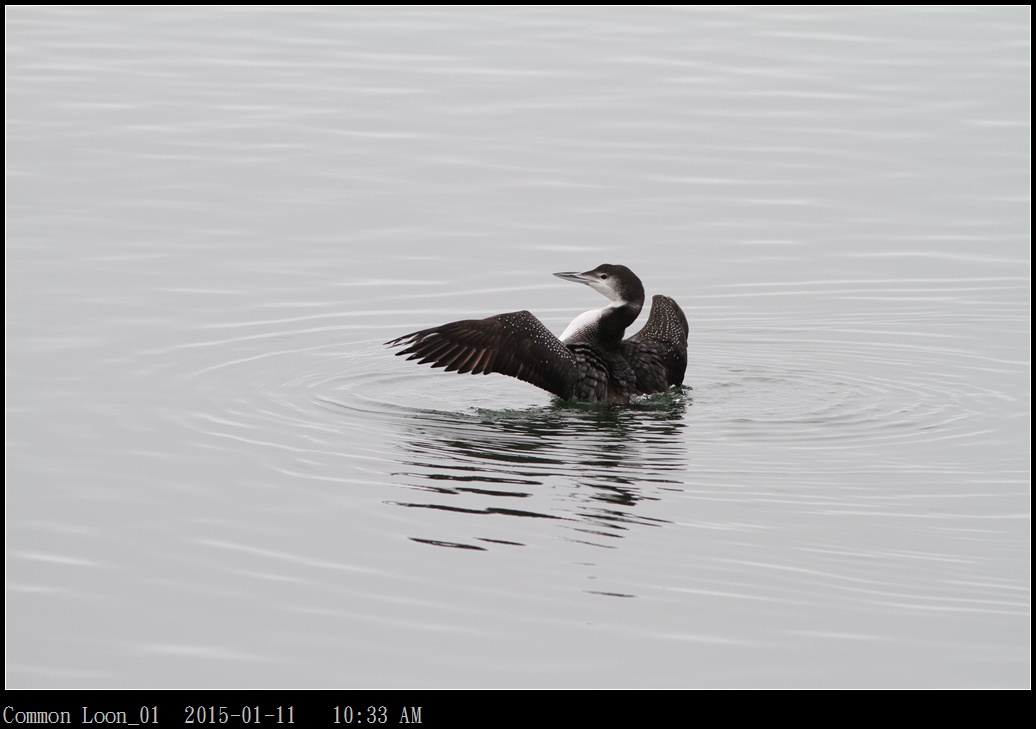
(218, 477)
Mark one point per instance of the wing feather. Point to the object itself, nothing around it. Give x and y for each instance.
(658, 352)
(515, 344)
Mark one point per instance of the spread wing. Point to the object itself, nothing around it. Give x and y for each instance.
(515, 344)
(658, 352)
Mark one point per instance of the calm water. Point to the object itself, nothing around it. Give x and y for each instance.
(218, 477)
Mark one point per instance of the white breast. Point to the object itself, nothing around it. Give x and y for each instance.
(586, 320)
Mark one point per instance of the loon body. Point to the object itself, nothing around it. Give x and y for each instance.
(591, 360)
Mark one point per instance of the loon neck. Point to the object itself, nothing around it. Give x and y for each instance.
(603, 327)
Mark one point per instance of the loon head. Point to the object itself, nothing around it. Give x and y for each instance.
(618, 283)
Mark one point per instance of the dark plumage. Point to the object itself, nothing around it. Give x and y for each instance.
(590, 361)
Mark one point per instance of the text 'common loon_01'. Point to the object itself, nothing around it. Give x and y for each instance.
(590, 361)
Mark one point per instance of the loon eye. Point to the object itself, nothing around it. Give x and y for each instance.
(604, 277)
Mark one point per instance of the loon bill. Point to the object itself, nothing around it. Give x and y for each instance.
(590, 361)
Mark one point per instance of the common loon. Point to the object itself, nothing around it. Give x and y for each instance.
(591, 361)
